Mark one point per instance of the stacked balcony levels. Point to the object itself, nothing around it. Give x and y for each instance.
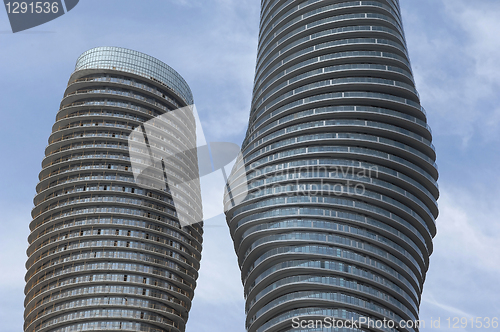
(107, 253)
(340, 170)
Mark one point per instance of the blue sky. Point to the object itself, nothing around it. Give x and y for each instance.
(453, 45)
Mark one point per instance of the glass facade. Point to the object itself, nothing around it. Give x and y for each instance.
(117, 58)
(107, 253)
(340, 168)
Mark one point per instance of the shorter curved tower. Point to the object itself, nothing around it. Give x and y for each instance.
(107, 253)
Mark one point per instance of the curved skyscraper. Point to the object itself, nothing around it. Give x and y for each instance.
(340, 170)
(106, 251)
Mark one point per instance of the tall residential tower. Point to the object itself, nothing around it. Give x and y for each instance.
(107, 253)
(340, 169)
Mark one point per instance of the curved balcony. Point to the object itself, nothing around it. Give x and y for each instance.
(105, 249)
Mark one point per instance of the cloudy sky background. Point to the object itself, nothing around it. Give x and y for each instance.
(454, 47)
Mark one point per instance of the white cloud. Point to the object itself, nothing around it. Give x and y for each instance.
(468, 227)
(218, 304)
(482, 26)
(462, 279)
(455, 65)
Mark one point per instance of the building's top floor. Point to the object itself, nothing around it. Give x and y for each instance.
(122, 59)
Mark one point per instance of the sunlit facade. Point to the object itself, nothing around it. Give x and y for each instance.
(340, 168)
(105, 252)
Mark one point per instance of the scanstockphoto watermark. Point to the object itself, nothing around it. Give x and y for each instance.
(361, 322)
(312, 180)
(366, 322)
